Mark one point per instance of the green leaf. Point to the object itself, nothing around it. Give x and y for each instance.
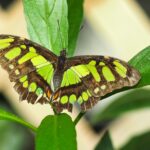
(42, 17)
(14, 137)
(134, 100)
(140, 142)
(142, 63)
(56, 133)
(105, 143)
(4, 115)
(75, 17)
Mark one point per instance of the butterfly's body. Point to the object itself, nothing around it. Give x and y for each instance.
(41, 76)
(58, 74)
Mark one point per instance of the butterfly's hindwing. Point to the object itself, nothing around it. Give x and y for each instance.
(29, 65)
(66, 96)
(88, 78)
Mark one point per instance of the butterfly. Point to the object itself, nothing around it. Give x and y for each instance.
(42, 77)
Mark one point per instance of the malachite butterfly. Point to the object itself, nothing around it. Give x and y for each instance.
(42, 77)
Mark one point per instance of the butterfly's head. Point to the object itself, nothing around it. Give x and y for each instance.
(63, 53)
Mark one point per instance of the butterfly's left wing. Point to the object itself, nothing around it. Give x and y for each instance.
(30, 66)
(87, 78)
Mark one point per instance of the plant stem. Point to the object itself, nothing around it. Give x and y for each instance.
(80, 115)
(34, 129)
(55, 112)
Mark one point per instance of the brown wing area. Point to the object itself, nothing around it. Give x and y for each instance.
(77, 91)
(108, 74)
(30, 85)
(31, 96)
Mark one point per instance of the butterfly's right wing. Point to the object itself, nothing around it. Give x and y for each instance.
(87, 78)
(30, 66)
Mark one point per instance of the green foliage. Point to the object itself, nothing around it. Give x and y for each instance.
(105, 143)
(140, 142)
(134, 100)
(141, 63)
(75, 16)
(13, 136)
(42, 19)
(54, 24)
(4, 115)
(56, 133)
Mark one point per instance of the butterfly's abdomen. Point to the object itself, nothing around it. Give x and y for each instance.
(57, 80)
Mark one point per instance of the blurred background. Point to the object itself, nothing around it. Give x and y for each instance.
(118, 28)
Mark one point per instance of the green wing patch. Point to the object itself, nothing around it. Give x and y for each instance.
(30, 66)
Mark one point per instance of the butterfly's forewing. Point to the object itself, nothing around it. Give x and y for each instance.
(29, 65)
(87, 78)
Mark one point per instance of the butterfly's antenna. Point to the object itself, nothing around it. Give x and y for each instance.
(60, 35)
